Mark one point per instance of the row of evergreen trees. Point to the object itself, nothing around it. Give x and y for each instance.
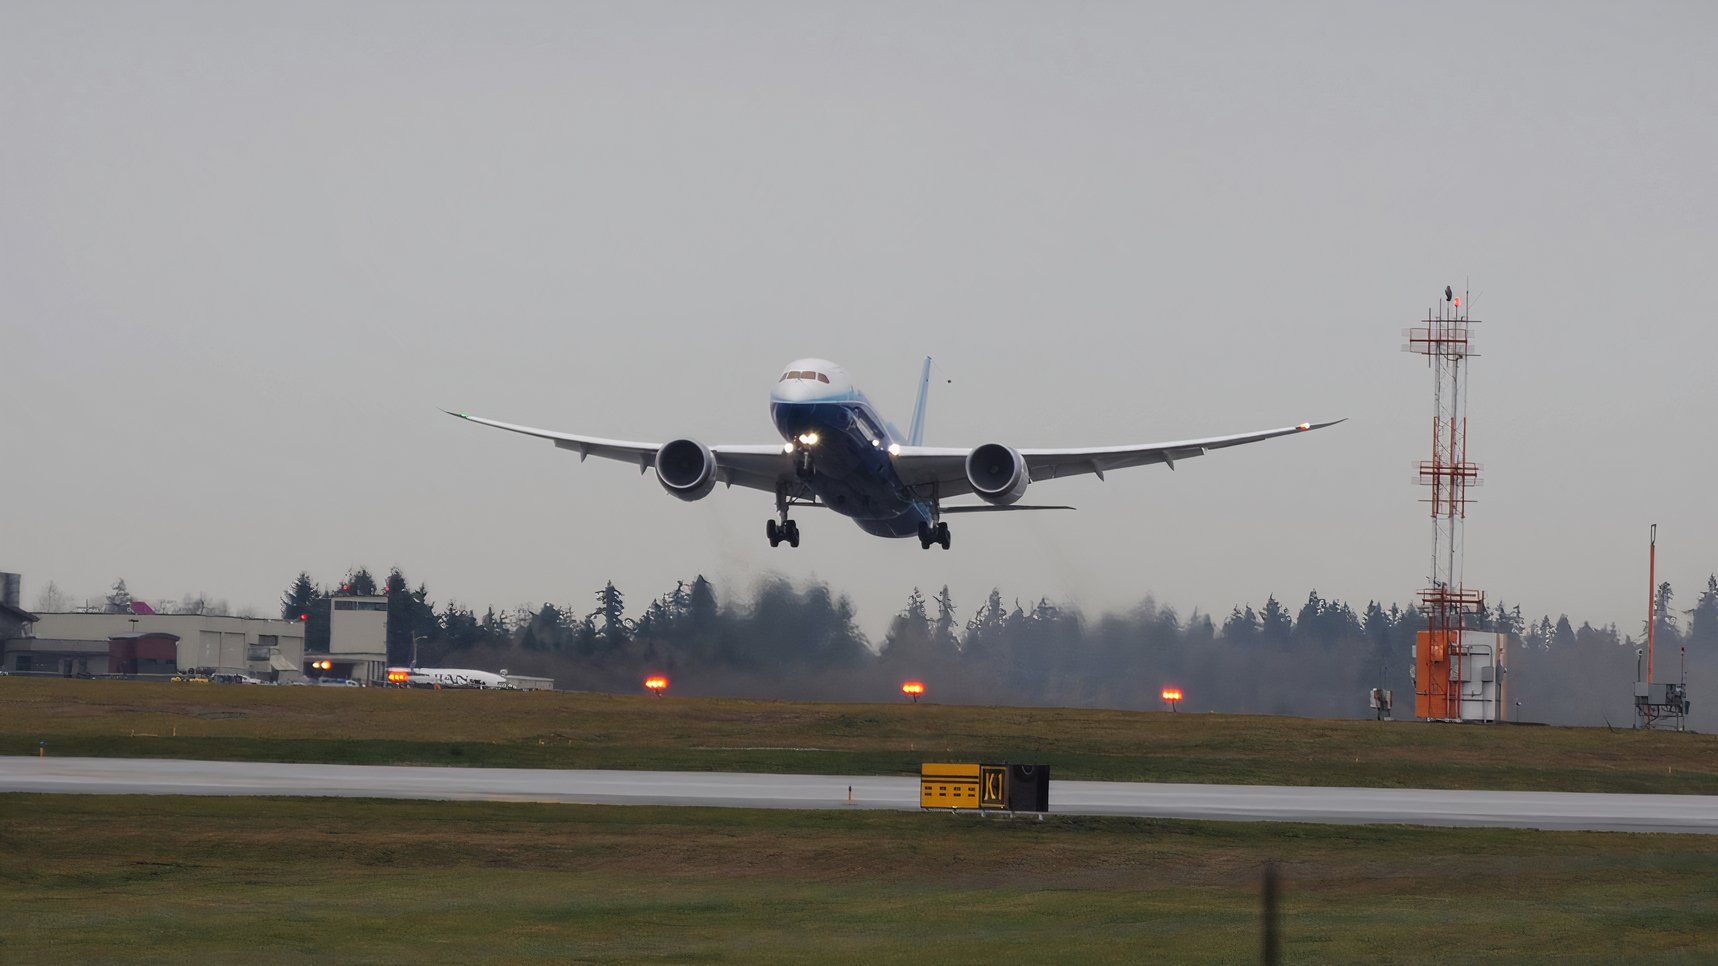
(1320, 658)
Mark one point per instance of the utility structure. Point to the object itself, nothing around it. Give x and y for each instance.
(1458, 672)
(1657, 705)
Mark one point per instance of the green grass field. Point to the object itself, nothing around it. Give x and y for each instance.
(90, 878)
(573, 730)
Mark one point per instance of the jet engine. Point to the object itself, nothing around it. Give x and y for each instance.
(997, 473)
(686, 468)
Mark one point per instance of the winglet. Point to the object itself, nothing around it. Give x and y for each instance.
(452, 413)
(916, 432)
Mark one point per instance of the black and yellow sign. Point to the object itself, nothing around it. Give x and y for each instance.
(948, 786)
(1013, 788)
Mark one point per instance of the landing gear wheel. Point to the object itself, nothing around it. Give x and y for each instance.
(792, 534)
(925, 538)
(774, 533)
(941, 536)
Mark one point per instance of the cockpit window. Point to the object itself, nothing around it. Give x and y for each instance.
(822, 378)
(803, 374)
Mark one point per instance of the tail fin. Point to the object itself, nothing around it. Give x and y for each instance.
(916, 432)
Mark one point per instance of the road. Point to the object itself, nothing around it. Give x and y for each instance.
(1353, 806)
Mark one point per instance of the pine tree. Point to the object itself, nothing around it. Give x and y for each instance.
(701, 604)
(119, 599)
(612, 628)
(1665, 630)
(1703, 619)
(1275, 625)
(943, 633)
(299, 598)
(1241, 626)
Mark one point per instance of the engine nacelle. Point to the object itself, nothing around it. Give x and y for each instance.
(997, 473)
(686, 469)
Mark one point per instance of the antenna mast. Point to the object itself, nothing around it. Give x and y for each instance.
(1455, 680)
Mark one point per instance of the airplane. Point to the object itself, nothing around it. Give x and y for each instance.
(838, 453)
(447, 677)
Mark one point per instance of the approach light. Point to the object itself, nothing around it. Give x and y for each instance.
(1172, 697)
(656, 684)
(913, 689)
(894, 449)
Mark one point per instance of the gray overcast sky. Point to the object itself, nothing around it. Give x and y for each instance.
(246, 251)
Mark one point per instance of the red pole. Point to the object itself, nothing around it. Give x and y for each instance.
(1651, 597)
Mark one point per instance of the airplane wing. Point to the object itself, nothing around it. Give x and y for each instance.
(758, 467)
(945, 466)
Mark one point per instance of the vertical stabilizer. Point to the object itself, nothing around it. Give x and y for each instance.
(916, 432)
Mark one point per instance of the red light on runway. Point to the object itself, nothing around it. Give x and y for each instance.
(656, 684)
(913, 689)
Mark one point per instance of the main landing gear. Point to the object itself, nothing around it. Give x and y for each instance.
(789, 531)
(933, 534)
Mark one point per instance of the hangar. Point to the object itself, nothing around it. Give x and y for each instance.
(155, 645)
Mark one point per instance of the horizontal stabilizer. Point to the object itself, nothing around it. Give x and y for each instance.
(987, 508)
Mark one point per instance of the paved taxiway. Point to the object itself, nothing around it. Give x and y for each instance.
(1356, 806)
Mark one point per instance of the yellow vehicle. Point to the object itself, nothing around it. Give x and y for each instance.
(189, 679)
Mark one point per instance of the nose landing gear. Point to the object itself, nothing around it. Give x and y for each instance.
(933, 534)
(787, 529)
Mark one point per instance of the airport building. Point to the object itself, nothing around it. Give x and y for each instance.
(156, 645)
(357, 639)
(15, 621)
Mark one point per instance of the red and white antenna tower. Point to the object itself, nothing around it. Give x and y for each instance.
(1445, 338)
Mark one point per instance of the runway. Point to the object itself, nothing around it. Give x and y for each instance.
(1348, 806)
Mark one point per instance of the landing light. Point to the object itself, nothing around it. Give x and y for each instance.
(876, 442)
(809, 439)
(894, 449)
(787, 447)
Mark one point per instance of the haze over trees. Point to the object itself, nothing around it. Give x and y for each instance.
(1318, 656)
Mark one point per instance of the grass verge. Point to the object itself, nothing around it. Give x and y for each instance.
(92, 878)
(571, 730)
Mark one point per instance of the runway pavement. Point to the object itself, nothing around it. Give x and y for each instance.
(1354, 806)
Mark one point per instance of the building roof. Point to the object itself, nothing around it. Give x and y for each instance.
(16, 613)
(136, 635)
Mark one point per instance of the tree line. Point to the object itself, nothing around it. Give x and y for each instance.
(1320, 657)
